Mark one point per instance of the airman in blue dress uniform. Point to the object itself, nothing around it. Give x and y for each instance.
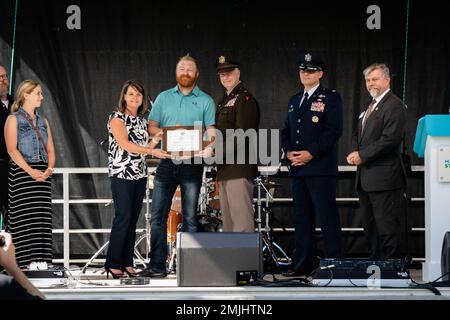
(310, 137)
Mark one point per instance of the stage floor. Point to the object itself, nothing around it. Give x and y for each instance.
(93, 285)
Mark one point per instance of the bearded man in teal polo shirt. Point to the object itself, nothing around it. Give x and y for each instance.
(184, 105)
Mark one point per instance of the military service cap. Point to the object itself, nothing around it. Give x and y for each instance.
(311, 62)
(223, 64)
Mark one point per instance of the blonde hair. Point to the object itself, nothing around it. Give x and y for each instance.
(138, 87)
(26, 86)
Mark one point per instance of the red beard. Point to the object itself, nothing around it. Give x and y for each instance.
(186, 81)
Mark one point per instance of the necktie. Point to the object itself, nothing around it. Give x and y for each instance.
(305, 100)
(368, 112)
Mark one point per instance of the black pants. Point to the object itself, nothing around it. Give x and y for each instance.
(127, 196)
(381, 213)
(315, 197)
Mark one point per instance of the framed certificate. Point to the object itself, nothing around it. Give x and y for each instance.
(182, 140)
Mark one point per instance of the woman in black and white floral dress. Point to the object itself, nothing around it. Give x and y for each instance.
(128, 146)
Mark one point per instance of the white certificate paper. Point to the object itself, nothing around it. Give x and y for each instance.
(183, 140)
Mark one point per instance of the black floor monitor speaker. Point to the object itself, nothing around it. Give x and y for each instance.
(217, 258)
(445, 257)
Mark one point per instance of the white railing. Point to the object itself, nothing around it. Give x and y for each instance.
(66, 201)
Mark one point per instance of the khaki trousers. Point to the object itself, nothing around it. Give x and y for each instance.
(236, 198)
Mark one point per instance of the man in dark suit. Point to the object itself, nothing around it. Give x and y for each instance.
(380, 176)
(6, 102)
(310, 136)
(237, 110)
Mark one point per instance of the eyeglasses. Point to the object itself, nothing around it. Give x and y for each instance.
(3, 76)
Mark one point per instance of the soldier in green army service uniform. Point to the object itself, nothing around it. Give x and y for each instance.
(237, 109)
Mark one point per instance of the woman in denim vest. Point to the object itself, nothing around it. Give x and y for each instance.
(30, 146)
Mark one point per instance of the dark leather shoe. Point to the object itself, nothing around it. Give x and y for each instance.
(116, 275)
(153, 274)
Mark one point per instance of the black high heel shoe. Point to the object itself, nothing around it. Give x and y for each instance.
(114, 275)
(130, 274)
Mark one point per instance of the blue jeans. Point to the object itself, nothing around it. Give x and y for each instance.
(127, 196)
(168, 177)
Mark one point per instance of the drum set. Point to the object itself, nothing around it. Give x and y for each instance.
(210, 220)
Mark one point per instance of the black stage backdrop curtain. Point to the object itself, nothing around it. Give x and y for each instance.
(82, 72)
